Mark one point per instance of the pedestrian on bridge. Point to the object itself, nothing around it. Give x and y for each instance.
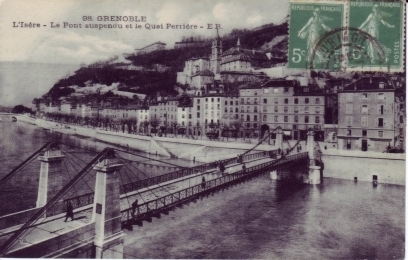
(134, 207)
(244, 168)
(222, 168)
(70, 212)
(203, 183)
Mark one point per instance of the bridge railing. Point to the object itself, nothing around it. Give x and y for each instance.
(150, 207)
(132, 186)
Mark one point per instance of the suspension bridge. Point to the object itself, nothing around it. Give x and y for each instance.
(115, 189)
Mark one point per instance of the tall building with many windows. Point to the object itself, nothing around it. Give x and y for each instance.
(366, 115)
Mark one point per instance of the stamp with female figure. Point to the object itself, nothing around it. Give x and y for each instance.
(309, 22)
(347, 35)
(384, 22)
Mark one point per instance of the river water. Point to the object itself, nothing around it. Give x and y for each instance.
(260, 219)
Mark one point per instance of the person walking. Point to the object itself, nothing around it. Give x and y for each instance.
(194, 160)
(70, 212)
(244, 168)
(222, 168)
(134, 206)
(203, 183)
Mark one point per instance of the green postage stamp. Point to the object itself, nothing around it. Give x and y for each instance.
(346, 35)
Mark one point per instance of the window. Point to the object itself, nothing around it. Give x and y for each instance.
(380, 96)
(296, 110)
(317, 100)
(306, 109)
(256, 101)
(218, 106)
(183, 116)
(264, 118)
(242, 117)
(275, 119)
(306, 119)
(212, 106)
(380, 122)
(226, 102)
(380, 133)
(255, 109)
(348, 132)
(364, 121)
(266, 90)
(349, 97)
(248, 101)
(255, 126)
(364, 96)
(317, 120)
(364, 132)
(349, 120)
(206, 99)
(206, 106)
(285, 90)
(242, 108)
(317, 110)
(248, 109)
(236, 110)
(212, 99)
(306, 100)
(256, 93)
(218, 99)
(276, 109)
(364, 109)
(401, 119)
(242, 100)
(295, 119)
(296, 100)
(231, 103)
(285, 109)
(381, 109)
(265, 101)
(286, 101)
(349, 109)
(189, 116)
(275, 90)
(198, 108)
(248, 118)
(225, 110)
(285, 119)
(255, 118)
(275, 100)
(265, 109)
(198, 114)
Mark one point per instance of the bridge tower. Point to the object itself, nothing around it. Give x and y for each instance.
(314, 171)
(51, 181)
(106, 211)
(279, 137)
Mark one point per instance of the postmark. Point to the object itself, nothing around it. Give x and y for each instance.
(383, 21)
(370, 39)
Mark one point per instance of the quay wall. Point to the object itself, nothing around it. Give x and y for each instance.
(389, 168)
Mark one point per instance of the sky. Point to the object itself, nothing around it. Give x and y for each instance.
(73, 46)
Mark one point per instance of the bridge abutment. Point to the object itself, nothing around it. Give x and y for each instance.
(279, 138)
(51, 180)
(314, 171)
(106, 211)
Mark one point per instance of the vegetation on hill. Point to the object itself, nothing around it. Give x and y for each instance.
(150, 81)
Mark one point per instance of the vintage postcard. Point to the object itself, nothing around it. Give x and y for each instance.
(206, 129)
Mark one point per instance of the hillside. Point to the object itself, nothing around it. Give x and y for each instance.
(148, 81)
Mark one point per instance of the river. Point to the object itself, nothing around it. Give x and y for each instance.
(259, 219)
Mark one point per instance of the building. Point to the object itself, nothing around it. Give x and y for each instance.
(284, 103)
(157, 46)
(191, 67)
(367, 115)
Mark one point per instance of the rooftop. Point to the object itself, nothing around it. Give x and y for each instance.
(370, 83)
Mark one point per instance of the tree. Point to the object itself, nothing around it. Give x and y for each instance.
(20, 109)
(154, 122)
(236, 125)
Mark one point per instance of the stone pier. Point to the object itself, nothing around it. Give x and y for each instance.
(108, 231)
(51, 180)
(314, 171)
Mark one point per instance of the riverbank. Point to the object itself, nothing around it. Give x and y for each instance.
(341, 164)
